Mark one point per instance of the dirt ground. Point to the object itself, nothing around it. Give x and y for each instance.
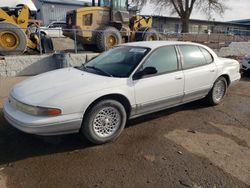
(193, 145)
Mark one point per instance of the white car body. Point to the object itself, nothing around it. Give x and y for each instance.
(73, 91)
(54, 29)
(246, 64)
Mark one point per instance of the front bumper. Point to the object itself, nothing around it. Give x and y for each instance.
(46, 126)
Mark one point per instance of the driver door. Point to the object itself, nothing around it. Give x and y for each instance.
(163, 89)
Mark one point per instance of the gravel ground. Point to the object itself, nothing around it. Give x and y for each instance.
(188, 146)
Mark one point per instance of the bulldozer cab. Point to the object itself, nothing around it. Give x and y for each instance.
(118, 5)
(102, 3)
(118, 9)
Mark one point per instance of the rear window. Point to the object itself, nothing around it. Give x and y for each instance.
(192, 56)
(207, 55)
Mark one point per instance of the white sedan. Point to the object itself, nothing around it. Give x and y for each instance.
(128, 81)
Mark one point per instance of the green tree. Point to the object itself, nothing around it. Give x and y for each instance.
(184, 8)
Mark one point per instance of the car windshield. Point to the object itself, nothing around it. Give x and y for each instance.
(118, 62)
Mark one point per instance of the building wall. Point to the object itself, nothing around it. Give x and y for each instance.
(173, 25)
(53, 11)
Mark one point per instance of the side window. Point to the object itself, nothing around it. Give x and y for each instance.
(87, 19)
(163, 59)
(207, 55)
(52, 26)
(56, 25)
(192, 56)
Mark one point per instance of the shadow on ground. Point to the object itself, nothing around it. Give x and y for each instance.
(245, 77)
(16, 145)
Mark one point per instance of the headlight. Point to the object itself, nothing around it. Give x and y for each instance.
(34, 110)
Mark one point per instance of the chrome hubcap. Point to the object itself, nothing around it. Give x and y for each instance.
(219, 90)
(106, 122)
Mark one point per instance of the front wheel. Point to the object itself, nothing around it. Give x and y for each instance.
(217, 93)
(104, 122)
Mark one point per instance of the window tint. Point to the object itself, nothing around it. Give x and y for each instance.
(207, 55)
(163, 59)
(119, 62)
(192, 56)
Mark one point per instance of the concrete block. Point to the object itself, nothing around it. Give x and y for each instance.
(28, 65)
(92, 55)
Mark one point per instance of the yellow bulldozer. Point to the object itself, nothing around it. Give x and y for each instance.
(108, 24)
(18, 32)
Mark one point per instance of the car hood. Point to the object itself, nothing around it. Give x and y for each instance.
(67, 82)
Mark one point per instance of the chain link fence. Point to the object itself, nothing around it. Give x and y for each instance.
(74, 44)
(213, 40)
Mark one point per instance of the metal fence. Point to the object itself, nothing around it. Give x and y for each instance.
(213, 40)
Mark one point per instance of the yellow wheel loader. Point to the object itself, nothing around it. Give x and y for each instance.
(107, 24)
(18, 33)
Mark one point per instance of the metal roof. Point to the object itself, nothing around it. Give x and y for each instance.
(235, 23)
(66, 2)
(245, 21)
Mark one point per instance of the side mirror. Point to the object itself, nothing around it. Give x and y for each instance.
(144, 72)
(149, 70)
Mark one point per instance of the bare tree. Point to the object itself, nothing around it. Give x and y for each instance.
(184, 8)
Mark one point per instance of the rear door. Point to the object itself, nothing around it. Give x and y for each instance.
(199, 71)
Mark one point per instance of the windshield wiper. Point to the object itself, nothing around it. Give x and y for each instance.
(99, 70)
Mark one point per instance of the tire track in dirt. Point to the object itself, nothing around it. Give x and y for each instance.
(222, 151)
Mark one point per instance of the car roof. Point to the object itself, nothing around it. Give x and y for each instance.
(157, 44)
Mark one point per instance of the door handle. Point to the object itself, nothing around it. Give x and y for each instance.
(178, 78)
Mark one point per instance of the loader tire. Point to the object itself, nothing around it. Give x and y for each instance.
(107, 37)
(151, 35)
(13, 40)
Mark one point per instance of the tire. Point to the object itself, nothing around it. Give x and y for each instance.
(17, 36)
(151, 35)
(94, 126)
(47, 44)
(217, 93)
(107, 37)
